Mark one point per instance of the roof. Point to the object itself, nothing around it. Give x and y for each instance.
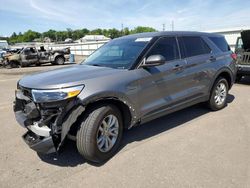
(169, 33)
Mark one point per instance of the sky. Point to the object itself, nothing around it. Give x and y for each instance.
(200, 15)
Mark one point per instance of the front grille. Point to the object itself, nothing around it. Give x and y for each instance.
(245, 58)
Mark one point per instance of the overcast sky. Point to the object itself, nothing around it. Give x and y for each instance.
(41, 15)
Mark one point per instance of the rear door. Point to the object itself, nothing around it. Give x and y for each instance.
(199, 58)
(163, 86)
(43, 55)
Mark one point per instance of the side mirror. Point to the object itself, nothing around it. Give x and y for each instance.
(154, 60)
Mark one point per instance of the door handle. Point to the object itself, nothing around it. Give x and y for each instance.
(212, 58)
(177, 67)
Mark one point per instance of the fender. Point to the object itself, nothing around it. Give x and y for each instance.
(118, 96)
(222, 70)
(80, 105)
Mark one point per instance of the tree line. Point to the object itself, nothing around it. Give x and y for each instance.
(30, 36)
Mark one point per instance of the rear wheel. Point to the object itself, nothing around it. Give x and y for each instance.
(38, 64)
(59, 61)
(219, 93)
(100, 133)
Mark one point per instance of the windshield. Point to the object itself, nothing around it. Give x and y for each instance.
(118, 53)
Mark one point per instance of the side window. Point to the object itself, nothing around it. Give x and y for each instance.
(167, 47)
(193, 46)
(221, 43)
(26, 51)
(239, 43)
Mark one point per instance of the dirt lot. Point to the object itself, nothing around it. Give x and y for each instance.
(190, 148)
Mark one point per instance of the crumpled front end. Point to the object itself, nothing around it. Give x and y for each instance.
(47, 123)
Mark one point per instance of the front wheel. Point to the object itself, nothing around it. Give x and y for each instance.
(219, 93)
(100, 133)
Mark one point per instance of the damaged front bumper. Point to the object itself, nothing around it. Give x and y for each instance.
(39, 144)
(47, 124)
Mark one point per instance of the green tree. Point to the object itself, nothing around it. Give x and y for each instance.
(114, 33)
(97, 31)
(14, 35)
(126, 31)
(142, 29)
(51, 34)
(30, 35)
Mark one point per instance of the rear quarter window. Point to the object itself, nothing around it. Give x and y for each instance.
(193, 46)
(221, 43)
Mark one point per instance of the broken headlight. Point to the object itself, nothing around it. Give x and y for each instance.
(52, 95)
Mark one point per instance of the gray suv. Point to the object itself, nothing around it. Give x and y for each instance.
(128, 81)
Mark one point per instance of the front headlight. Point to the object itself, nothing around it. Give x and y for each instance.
(52, 95)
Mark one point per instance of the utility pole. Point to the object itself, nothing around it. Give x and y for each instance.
(163, 27)
(172, 25)
(122, 29)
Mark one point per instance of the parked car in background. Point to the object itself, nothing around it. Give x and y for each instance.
(31, 55)
(128, 81)
(243, 54)
(3, 48)
(4, 45)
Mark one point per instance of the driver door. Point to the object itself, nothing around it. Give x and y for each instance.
(162, 87)
(30, 55)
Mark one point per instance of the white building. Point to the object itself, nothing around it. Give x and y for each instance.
(3, 44)
(231, 34)
(88, 38)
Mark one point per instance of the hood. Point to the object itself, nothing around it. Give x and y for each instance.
(245, 35)
(65, 77)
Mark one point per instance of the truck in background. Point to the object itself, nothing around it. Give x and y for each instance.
(32, 55)
(242, 49)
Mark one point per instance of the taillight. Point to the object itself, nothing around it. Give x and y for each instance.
(234, 56)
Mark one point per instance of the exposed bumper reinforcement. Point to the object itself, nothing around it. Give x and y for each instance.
(40, 131)
(39, 144)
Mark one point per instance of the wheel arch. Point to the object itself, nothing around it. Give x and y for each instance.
(225, 73)
(58, 56)
(127, 111)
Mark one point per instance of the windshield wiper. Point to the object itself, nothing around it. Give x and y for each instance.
(96, 65)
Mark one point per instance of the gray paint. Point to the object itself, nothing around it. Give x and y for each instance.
(147, 91)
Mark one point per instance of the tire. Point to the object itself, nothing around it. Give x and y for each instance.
(12, 64)
(23, 64)
(238, 78)
(90, 131)
(59, 61)
(218, 95)
(38, 64)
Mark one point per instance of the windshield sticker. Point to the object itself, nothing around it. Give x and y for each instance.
(143, 39)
